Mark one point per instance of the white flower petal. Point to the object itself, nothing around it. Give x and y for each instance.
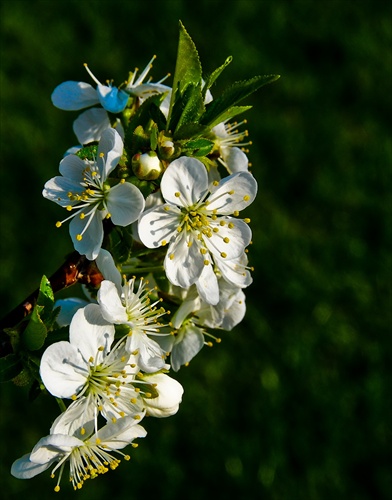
(151, 355)
(234, 271)
(170, 395)
(107, 266)
(71, 167)
(121, 433)
(112, 99)
(207, 285)
(158, 225)
(72, 96)
(235, 159)
(63, 370)
(188, 343)
(186, 176)
(235, 192)
(89, 126)
(53, 445)
(110, 303)
(68, 307)
(111, 146)
(23, 468)
(238, 236)
(92, 237)
(57, 189)
(79, 415)
(125, 203)
(89, 331)
(184, 264)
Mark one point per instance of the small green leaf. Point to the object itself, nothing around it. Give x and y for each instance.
(149, 111)
(214, 75)
(198, 147)
(35, 333)
(217, 108)
(187, 71)
(10, 366)
(154, 137)
(189, 107)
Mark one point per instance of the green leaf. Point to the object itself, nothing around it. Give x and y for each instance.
(229, 114)
(189, 107)
(120, 243)
(140, 140)
(217, 108)
(147, 113)
(154, 137)
(35, 333)
(214, 75)
(187, 71)
(191, 131)
(10, 366)
(45, 297)
(198, 147)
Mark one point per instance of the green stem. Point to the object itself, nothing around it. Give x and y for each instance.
(61, 404)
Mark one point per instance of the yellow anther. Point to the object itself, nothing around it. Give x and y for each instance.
(101, 155)
(226, 240)
(247, 220)
(98, 441)
(101, 348)
(215, 183)
(179, 229)
(134, 445)
(216, 229)
(231, 192)
(69, 208)
(133, 400)
(190, 243)
(94, 172)
(82, 215)
(223, 255)
(114, 420)
(137, 417)
(79, 237)
(108, 215)
(246, 197)
(122, 181)
(164, 242)
(203, 251)
(58, 224)
(236, 213)
(206, 262)
(222, 223)
(231, 225)
(177, 194)
(171, 256)
(74, 397)
(57, 488)
(127, 457)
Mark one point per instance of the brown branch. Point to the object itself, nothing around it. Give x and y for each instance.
(76, 269)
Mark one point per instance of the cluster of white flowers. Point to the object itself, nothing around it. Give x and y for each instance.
(173, 202)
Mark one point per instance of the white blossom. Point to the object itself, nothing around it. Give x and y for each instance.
(132, 307)
(89, 126)
(89, 453)
(195, 222)
(84, 190)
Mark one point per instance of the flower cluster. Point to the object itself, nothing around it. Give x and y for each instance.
(154, 192)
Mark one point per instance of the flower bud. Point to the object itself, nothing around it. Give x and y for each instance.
(147, 166)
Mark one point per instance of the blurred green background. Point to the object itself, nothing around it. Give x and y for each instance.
(294, 404)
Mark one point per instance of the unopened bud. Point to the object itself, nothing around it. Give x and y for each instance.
(167, 149)
(147, 166)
